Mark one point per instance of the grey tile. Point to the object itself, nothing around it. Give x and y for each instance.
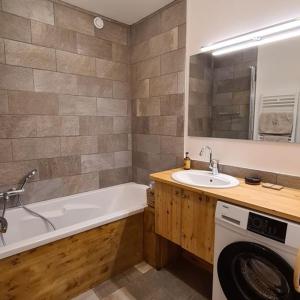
(146, 143)
(59, 167)
(141, 89)
(95, 47)
(112, 107)
(95, 125)
(120, 53)
(3, 102)
(112, 142)
(113, 32)
(73, 19)
(57, 126)
(164, 85)
(76, 64)
(2, 53)
(123, 159)
(15, 28)
(53, 36)
(121, 90)
(80, 183)
(77, 105)
(26, 55)
(148, 107)
(121, 124)
(171, 145)
(173, 16)
(182, 36)
(173, 61)
(96, 162)
(289, 181)
(17, 126)
(33, 148)
(41, 10)
(32, 103)
(13, 172)
(172, 105)
(15, 78)
(79, 145)
(148, 68)
(109, 178)
(112, 70)
(5, 150)
(92, 86)
(53, 82)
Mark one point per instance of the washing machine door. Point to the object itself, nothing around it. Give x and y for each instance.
(254, 272)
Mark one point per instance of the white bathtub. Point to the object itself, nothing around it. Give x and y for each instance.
(70, 215)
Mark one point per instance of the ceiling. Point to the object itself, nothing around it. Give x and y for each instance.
(125, 11)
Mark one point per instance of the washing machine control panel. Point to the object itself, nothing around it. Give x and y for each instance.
(273, 229)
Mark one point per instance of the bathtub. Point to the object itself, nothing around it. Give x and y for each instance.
(70, 215)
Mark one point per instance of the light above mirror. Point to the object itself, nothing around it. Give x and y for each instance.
(263, 36)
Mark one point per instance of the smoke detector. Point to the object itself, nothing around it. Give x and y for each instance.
(98, 22)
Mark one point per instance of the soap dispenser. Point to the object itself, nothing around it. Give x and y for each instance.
(187, 162)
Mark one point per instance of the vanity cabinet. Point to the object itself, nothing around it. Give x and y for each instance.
(185, 218)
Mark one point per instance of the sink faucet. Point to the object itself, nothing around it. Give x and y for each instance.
(213, 163)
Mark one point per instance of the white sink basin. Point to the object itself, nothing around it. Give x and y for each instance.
(205, 179)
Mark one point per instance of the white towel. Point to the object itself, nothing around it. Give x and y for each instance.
(276, 123)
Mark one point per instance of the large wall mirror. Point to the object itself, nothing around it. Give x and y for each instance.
(249, 90)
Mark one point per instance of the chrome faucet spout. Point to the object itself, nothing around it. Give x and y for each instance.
(213, 163)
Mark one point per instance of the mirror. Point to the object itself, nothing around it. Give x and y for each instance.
(247, 94)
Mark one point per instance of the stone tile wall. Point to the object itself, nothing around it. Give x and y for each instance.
(157, 65)
(65, 103)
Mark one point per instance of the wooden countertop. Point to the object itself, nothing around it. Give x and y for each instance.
(284, 204)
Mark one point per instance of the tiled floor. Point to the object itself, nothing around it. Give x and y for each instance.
(180, 281)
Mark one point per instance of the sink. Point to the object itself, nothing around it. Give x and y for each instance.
(206, 179)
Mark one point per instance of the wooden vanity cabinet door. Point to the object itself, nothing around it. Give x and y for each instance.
(168, 212)
(198, 225)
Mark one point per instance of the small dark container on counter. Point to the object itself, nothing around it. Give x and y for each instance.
(253, 180)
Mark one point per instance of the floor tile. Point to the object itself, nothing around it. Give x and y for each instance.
(89, 295)
(143, 267)
(121, 294)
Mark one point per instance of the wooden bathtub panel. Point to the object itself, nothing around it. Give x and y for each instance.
(68, 267)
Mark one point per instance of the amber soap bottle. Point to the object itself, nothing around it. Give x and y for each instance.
(187, 162)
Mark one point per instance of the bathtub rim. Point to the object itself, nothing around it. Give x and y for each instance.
(52, 236)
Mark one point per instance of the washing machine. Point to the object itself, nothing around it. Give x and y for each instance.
(254, 256)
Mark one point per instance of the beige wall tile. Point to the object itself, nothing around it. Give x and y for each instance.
(173, 61)
(182, 36)
(98, 87)
(15, 78)
(77, 105)
(141, 89)
(112, 70)
(113, 32)
(41, 10)
(13, 27)
(164, 85)
(74, 63)
(146, 29)
(47, 81)
(57, 126)
(13, 172)
(32, 103)
(111, 107)
(59, 167)
(146, 143)
(112, 143)
(120, 53)
(123, 159)
(148, 68)
(92, 46)
(33, 148)
(26, 55)
(80, 183)
(157, 45)
(171, 145)
(181, 82)
(95, 125)
(121, 90)
(72, 19)
(53, 37)
(289, 181)
(2, 54)
(97, 162)
(17, 126)
(173, 16)
(148, 107)
(5, 150)
(79, 145)
(172, 105)
(3, 102)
